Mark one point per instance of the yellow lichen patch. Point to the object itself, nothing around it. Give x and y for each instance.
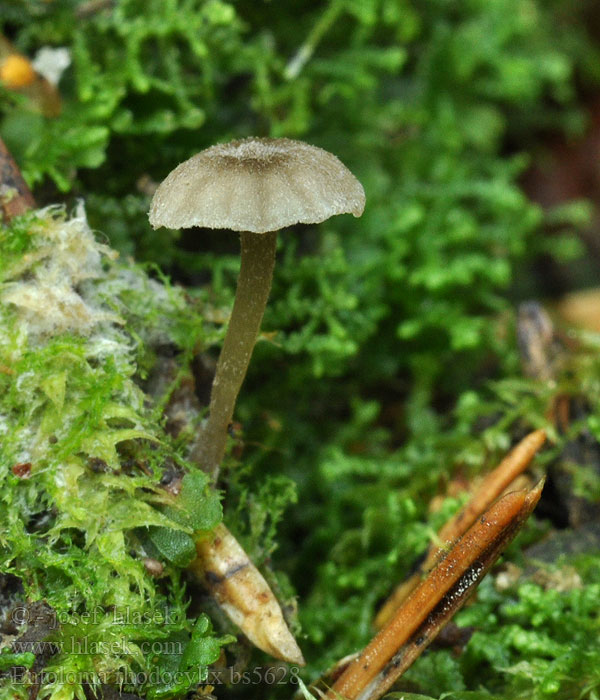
(16, 71)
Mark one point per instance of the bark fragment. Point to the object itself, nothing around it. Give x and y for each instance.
(242, 592)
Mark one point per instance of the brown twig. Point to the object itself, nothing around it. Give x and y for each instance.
(489, 490)
(15, 196)
(541, 347)
(514, 464)
(435, 600)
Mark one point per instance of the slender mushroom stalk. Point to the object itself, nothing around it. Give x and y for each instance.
(253, 287)
(255, 186)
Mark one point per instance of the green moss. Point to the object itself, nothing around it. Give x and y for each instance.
(82, 455)
(389, 361)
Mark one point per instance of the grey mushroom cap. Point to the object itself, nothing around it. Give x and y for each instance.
(256, 185)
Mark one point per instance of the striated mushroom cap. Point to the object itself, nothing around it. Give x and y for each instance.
(257, 185)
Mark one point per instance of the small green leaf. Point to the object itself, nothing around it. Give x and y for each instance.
(173, 545)
(203, 649)
(8, 660)
(188, 664)
(198, 505)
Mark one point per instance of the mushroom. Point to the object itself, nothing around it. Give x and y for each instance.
(255, 186)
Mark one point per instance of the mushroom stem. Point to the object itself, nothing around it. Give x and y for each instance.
(253, 287)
